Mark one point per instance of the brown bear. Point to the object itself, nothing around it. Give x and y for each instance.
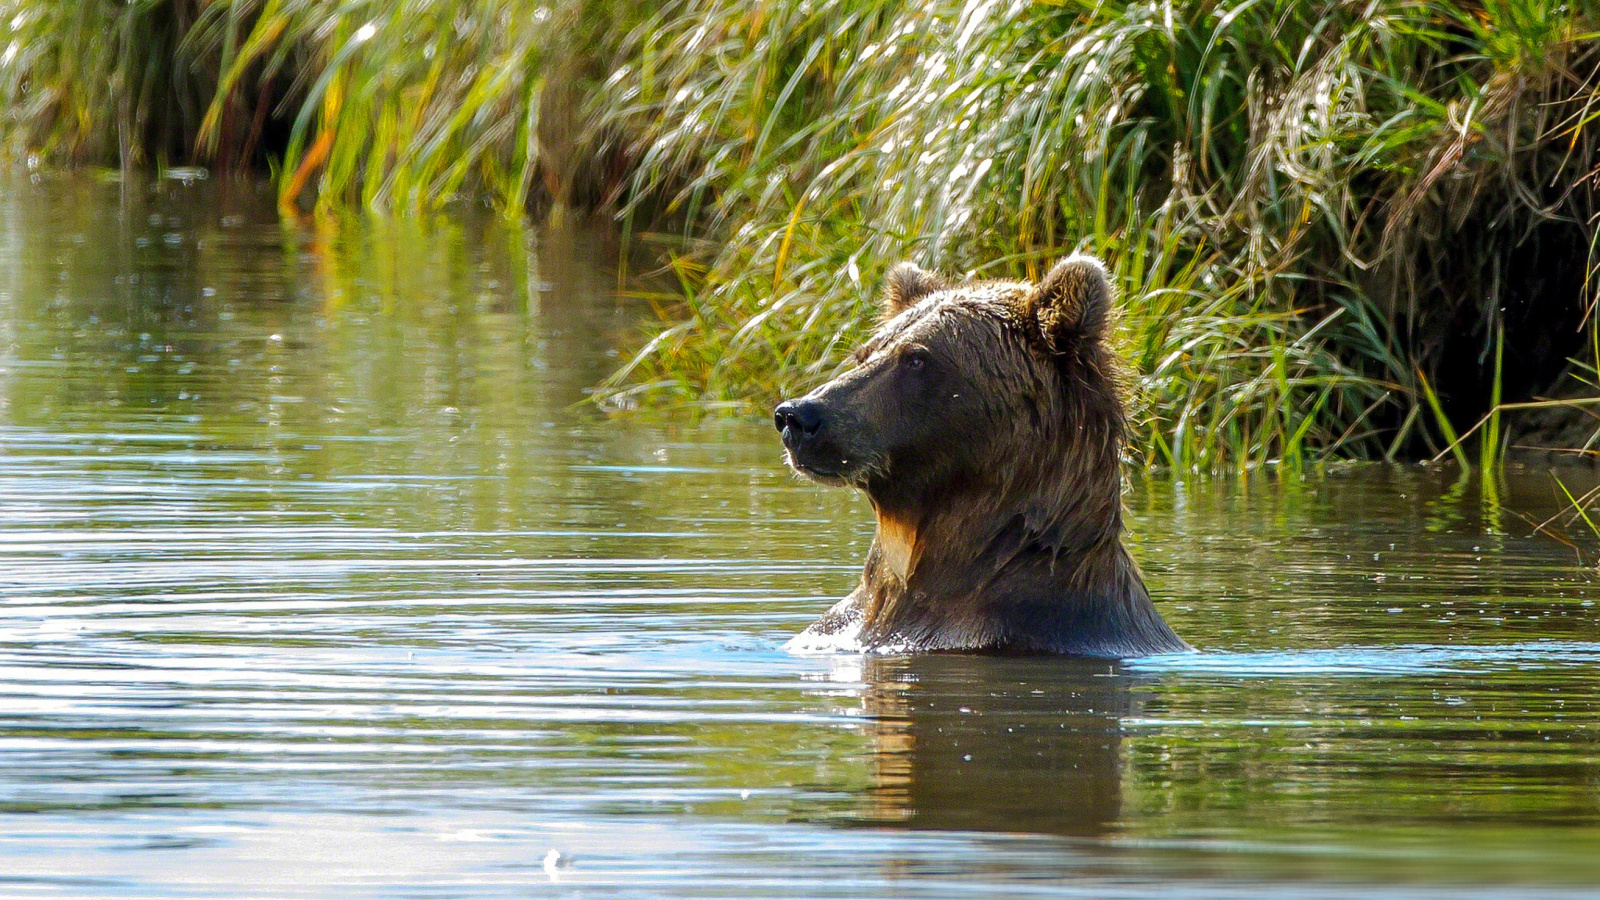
(985, 422)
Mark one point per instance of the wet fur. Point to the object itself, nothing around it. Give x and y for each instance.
(996, 481)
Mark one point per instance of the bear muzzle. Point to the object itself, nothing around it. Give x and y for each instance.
(806, 435)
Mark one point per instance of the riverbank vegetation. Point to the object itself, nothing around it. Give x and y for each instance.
(1340, 230)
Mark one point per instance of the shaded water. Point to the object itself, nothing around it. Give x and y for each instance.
(315, 579)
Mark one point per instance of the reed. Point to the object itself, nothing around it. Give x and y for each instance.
(87, 81)
(1314, 212)
(400, 106)
(1339, 230)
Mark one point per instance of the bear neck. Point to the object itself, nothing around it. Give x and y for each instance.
(1034, 564)
(965, 532)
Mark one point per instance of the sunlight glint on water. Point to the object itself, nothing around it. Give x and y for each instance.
(316, 579)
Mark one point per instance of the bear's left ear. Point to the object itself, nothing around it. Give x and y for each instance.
(1071, 303)
(905, 284)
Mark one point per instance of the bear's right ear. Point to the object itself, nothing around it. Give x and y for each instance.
(905, 284)
(1071, 303)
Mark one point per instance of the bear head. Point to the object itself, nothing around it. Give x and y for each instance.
(993, 386)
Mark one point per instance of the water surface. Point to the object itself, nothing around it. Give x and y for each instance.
(318, 578)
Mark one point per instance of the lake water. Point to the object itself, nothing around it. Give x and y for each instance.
(318, 578)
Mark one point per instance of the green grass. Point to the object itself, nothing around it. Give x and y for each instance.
(1301, 202)
(401, 106)
(1338, 229)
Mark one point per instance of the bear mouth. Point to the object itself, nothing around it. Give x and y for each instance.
(835, 475)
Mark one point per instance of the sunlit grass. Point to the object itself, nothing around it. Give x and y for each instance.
(1338, 230)
(1302, 203)
(395, 105)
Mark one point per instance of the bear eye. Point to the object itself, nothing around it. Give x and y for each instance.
(915, 359)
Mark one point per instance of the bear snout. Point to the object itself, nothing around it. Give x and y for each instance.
(798, 420)
(811, 437)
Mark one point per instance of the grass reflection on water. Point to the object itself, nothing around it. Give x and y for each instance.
(307, 553)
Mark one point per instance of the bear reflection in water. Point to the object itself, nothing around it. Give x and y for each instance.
(997, 743)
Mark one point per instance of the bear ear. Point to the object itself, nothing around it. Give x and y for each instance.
(1071, 303)
(905, 284)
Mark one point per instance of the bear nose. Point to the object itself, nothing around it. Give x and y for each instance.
(800, 418)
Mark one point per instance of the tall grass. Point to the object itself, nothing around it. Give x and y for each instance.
(99, 82)
(1310, 208)
(395, 105)
(1339, 229)
(406, 105)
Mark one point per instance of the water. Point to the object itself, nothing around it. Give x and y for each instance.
(318, 579)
